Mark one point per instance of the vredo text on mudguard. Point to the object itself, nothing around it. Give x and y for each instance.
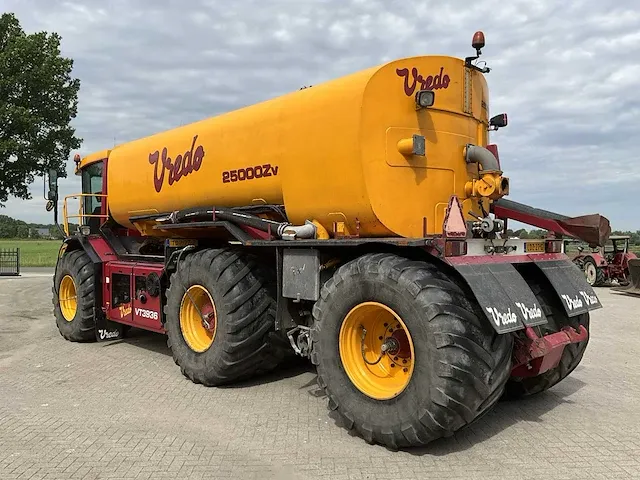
(508, 301)
(570, 284)
(504, 296)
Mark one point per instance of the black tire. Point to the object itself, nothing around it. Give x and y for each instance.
(599, 278)
(79, 267)
(461, 364)
(571, 356)
(243, 346)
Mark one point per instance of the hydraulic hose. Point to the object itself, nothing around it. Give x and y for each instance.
(283, 230)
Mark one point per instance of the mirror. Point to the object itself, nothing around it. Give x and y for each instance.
(53, 185)
(498, 121)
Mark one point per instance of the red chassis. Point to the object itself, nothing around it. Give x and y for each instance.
(130, 289)
(131, 296)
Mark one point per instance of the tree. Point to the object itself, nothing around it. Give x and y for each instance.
(8, 227)
(38, 100)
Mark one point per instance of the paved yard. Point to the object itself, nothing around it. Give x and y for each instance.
(123, 410)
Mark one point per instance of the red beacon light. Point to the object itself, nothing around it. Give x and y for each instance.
(478, 41)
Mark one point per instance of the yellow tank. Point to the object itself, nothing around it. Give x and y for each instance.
(335, 152)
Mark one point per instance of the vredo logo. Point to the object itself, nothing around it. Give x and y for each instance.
(529, 313)
(589, 299)
(504, 319)
(572, 302)
(124, 310)
(106, 334)
(576, 302)
(413, 80)
(181, 166)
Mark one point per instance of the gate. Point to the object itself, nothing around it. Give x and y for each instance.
(9, 261)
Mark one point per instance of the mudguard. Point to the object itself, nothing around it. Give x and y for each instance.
(570, 284)
(504, 295)
(107, 330)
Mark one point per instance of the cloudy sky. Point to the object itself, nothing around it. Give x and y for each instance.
(567, 74)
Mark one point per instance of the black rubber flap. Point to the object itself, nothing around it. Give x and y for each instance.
(107, 330)
(504, 296)
(571, 286)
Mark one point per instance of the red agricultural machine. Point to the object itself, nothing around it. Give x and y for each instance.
(606, 263)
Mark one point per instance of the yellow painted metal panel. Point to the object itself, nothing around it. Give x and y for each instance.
(329, 153)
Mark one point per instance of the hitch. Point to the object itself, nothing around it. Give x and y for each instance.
(535, 355)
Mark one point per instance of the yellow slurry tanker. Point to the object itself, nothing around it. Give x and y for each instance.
(360, 223)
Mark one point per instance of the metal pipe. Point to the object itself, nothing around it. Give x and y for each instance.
(291, 232)
(476, 154)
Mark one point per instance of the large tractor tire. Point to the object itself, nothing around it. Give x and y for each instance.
(444, 365)
(571, 356)
(233, 295)
(74, 297)
(594, 274)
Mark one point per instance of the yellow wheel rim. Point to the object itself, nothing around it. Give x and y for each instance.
(391, 374)
(68, 298)
(198, 335)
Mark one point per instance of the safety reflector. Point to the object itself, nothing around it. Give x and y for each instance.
(553, 246)
(455, 248)
(454, 224)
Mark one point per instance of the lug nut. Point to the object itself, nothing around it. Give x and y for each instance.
(395, 358)
(386, 324)
(404, 361)
(398, 325)
(405, 370)
(391, 330)
(393, 365)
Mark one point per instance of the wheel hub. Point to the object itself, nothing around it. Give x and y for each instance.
(68, 298)
(376, 350)
(591, 273)
(198, 318)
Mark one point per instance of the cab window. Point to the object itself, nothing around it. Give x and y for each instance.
(92, 184)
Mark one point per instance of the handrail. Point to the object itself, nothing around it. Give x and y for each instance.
(81, 215)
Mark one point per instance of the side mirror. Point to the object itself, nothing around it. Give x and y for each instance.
(580, 249)
(498, 121)
(53, 185)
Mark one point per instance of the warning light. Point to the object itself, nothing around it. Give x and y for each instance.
(478, 41)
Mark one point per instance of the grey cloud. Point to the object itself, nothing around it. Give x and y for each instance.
(567, 73)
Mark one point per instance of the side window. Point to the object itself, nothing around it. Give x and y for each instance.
(92, 184)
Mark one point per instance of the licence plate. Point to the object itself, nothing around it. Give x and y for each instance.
(534, 247)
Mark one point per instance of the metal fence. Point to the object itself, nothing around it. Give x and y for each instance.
(9, 261)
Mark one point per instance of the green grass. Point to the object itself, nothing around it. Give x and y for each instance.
(43, 253)
(34, 253)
